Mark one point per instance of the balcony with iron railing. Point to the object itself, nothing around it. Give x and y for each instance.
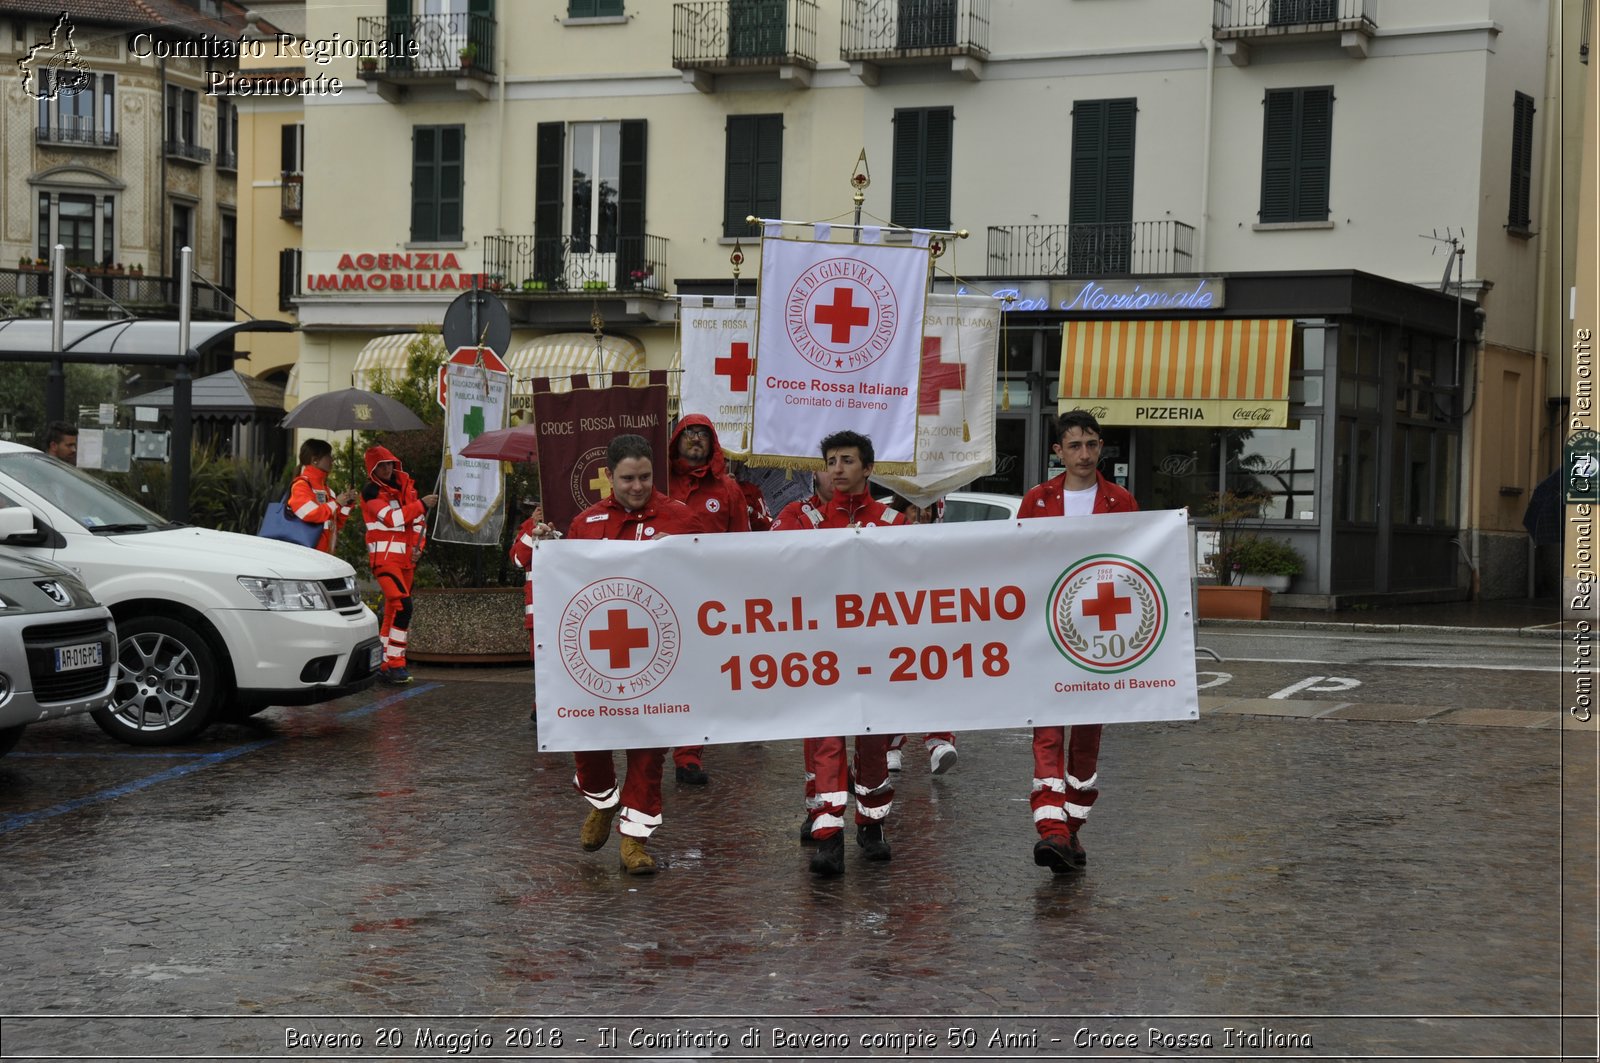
(1238, 25)
(1137, 248)
(183, 151)
(290, 286)
(876, 32)
(100, 292)
(228, 160)
(292, 197)
(711, 37)
(74, 135)
(453, 50)
(568, 264)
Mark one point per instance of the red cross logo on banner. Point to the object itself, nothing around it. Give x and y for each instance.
(737, 367)
(938, 376)
(1106, 606)
(620, 639)
(842, 315)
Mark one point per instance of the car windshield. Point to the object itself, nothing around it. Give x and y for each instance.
(82, 497)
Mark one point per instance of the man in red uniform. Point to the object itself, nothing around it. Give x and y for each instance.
(312, 500)
(1064, 758)
(848, 459)
(700, 480)
(635, 510)
(396, 518)
(755, 503)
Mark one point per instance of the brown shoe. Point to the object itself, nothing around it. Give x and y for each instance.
(597, 828)
(635, 861)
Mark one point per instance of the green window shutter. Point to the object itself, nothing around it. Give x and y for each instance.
(452, 181)
(1277, 157)
(424, 183)
(1100, 199)
(593, 8)
(631, 251)
(1520, 214)
(753, 171)
(920, 185)
(1316, 155)
(549, 187)
(1117, 183)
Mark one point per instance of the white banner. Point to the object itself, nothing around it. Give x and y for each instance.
(718, 357)
(477, 400)
(955, 406)
(840, 344)
(735, 638)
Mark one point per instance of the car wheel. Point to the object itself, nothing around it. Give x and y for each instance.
(166, 683)
(8, 738)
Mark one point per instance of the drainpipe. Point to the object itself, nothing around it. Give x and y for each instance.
(500, 168)
(1549, 225)
(1205, 158)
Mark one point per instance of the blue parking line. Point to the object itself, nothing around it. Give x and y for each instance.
(200, 762)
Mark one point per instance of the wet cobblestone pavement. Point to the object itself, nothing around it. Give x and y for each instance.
(1382, 888)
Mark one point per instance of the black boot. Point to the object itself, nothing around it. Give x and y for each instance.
(805, 832)
(828, 860)
(874, 846)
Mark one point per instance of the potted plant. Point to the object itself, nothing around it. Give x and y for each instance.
(136, 269)
(1231, 512)
(527, 284)
(1263, 562)
(369, 64)
(468, 53)
(24, 262)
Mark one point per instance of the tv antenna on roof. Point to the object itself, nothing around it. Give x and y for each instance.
(1457, 253)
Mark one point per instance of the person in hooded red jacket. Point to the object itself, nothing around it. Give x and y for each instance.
(700, 480)
(637, 511)
(396, 519)
(312, 500)
(848, 459)
(1065, 759)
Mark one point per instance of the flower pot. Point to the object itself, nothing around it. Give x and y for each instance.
(481, 625)
(1276, 584)
(1234, 603)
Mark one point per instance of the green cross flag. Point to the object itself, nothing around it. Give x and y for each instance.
(472, 424)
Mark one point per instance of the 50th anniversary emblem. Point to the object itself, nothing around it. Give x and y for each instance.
(1107, 613)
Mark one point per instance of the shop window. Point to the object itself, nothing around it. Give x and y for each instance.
(1355, 472)
(1278, 465)
(1181, 467)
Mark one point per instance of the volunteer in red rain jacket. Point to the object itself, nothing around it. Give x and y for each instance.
(310, 497)
(1065, 758)
(848, 457)
(636, 511)
(700, 481)
(533, 530)
(396, 521)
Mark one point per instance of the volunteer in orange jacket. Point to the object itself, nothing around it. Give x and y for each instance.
(396, 531)
(700, 480)
(848, 459)
(637, 511)
(1065, 758)
(310, 497)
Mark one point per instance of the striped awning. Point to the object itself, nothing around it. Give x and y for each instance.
(564, 354)
(1212, 373)
(382, 354)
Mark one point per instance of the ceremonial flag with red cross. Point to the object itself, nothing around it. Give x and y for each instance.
(574, 428)
(955, 400)
(719, 362)
(840, 347)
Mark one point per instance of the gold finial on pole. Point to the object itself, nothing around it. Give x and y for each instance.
(860, 178)
(736, 259)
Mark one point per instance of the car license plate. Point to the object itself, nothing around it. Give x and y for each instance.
(71, 658)
(374, 658)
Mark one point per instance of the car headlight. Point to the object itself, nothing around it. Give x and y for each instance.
(286, 593)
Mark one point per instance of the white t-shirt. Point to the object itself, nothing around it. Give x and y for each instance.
(1079, 503)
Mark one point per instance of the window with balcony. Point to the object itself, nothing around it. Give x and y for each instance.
(83, 222)
(438, 155)
(920, 186)
(227, 135)
(292, 161)
(182, 126)
(588, 215)
(753, 171)
(1100, 197)
(81, 112)
(1301, 12)
(1520, 217)
(182, 236)
(228, 265)
(1296, 155)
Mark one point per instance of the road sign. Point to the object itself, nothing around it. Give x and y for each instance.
(477, 317)
(469, 356)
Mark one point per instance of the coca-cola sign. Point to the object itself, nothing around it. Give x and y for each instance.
(1253, 414)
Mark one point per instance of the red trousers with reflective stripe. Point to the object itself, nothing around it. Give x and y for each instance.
(827, 761)
(396, 620)
(641, 787)
(1057, 755)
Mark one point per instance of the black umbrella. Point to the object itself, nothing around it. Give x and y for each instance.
(353, 410)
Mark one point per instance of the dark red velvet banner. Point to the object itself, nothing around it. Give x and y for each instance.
(574, 428)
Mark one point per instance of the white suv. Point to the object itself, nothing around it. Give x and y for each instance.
(211, 625)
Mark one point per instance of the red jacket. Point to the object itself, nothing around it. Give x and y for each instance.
(755, 505)
(607, 519)
(1046, 500)
(396, 518)
(800, 515)
(707, 489)
(843, 510)
(312, 500)
(522, 557)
